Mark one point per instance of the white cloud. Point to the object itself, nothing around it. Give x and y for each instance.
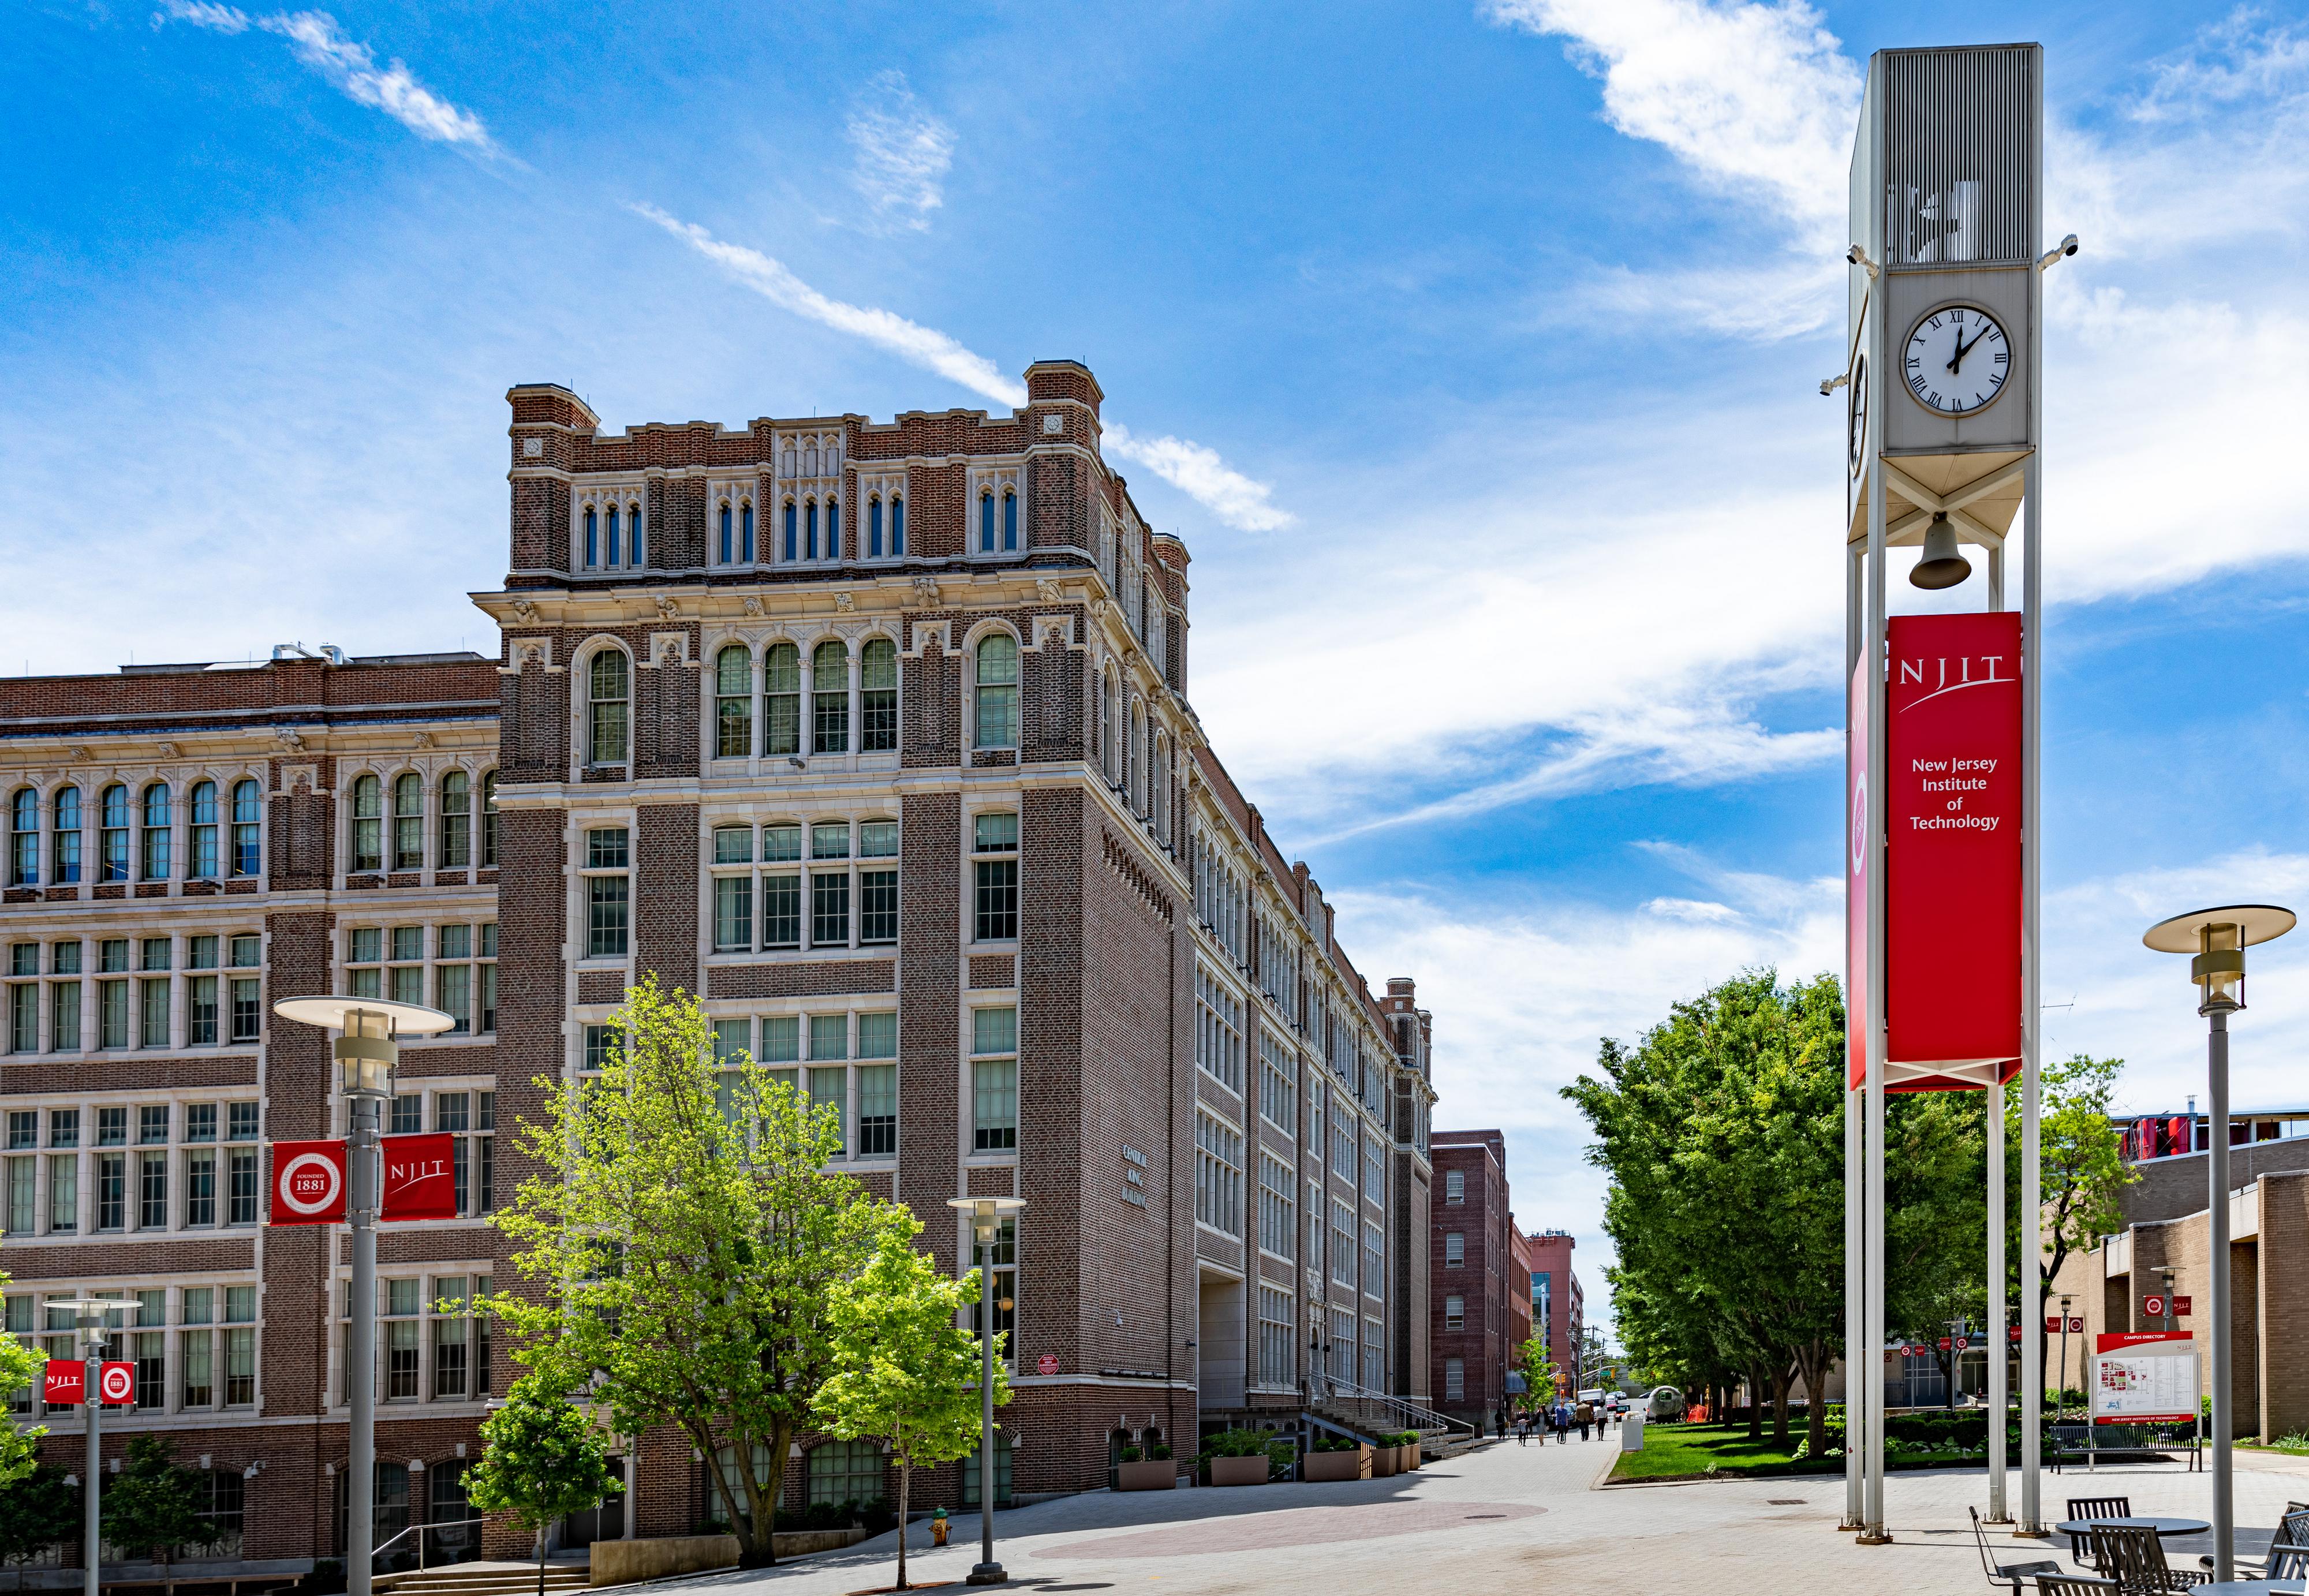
(1194, 470)
(902, 154)
(1203, 477)
(2230, 62)
(316, 39)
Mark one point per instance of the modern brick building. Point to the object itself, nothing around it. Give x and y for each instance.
(1558, 1307)
(873, 735)
(1473, 1260)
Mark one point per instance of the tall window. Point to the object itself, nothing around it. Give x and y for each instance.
(834, 529)
(733, 892)
(1009, 520)
(782, 699)
(1455, 1186)
(1278, 1339)
(829, 698)
(456, 821)
(65, 851)
(734, 533)
(200, 836)
(1455, 1249)
(24, 837)
(1454, 1380)
(792, 530)
(1134, 778)
(781, 891)
(998, 691)
(829, 887)
(874, 527)
(877, 1086)
(1342, 1242)
(1218, 1030)
(369, 824)
(1277, 1224)
(994, 1079)
(608, 695)
(593, 549)
(1278, 1083)
(878, 882)
(113, 819)
(994, 840)
(408, 822)
(897, 526)
(154, 852)
(1218, 1173)
(733, 701)
(488, 820)
(606, 892)
(877, 697)
(986, 522)
(248, 817)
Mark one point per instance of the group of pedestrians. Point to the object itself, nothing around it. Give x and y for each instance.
(1559, 1419)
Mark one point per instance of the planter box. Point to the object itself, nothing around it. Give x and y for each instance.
(1413, 1455)
(1238, 1470)
(1336, 1465)
(1386, 1460)
(1159, 1474)
(623, 1562)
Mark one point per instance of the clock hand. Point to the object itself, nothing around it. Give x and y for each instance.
(1964, 349)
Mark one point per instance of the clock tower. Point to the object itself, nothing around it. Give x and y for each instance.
(1943, 395)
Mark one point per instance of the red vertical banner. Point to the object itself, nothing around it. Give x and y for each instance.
(1856, 878)
(1952, 883)
(308, 1182)
(420, 1179)
(64, 1384)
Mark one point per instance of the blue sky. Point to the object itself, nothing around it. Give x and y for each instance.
(1472, 348)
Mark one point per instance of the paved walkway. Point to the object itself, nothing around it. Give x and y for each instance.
(1511, 1516)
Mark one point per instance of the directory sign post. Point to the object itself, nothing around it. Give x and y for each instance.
(2144, 1378)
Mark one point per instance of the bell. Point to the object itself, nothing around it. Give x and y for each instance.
(1943, 567)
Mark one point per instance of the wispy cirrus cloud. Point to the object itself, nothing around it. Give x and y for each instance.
(317, 40)
(902, 154)
(1196, 470)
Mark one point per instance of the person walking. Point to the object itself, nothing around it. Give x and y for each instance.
(1584, 1417)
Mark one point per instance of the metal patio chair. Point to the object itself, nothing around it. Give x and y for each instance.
(2094, 1507)
(2074, 1584)
(2012, 1574)
(2135, 1559)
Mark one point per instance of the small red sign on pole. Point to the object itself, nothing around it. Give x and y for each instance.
(421, 1178)
(64, 1383)
(1046, 1365)
(2077, 1324)
(116, 1383)
(308, 1182)
(2181, 1306)
(2153, 1306)
(1944, 1343)
(2051, 1324)
(1963, 1342)
(2016, 1332)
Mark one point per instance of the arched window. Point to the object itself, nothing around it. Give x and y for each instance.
(809, 530)
(200, 851)
(746, 531)
(489, 820)
(998, 691)
(154, 851)
(247, 816)
(1009, 520)
(369, 824)
(897, 526)
(792, 544)
(456, 821)
(733, 703)
(877, 697)
(1099, 740)
(834, 529)
(728, 549)
(64, 853)
(408, 822)
(1114, 725)
(608, 695)
(24, 837)
(592, 541)
(986, 522)
(829, 698)
(782, 699)
(613, 536)
(1161, 771)
(635, 555)
(874, 528)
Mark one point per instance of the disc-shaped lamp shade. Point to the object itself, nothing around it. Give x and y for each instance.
(369, 1048)
(2218, 938)
(987, 1213)
(1943, 564)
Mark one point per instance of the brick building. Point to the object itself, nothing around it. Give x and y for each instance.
(873, 735)
(1473, 1260)
(1558, 1307)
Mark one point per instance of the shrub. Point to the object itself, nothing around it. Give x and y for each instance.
(1281, 1457)
(1130, 1454)
(1159, 1453)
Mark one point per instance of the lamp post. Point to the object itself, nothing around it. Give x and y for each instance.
(2059, 1401)
(366, 1054)
(986, 1217)
(89, 1314)
(2218, 938)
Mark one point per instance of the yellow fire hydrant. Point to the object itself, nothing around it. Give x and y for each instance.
(938, 1527)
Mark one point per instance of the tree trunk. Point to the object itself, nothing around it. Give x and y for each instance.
(905, 1477)
(1780, 1404)
(1755, 1402)
(540, 1562)
(742, 1513)
(1813, 1360)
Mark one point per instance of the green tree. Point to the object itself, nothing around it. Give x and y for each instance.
(541, 1459)
(37, 1509)
(19, 1367)
(2082, 1171)
(153, 1505)
(682, 1243)
(909, 1374)
(1537, 1370)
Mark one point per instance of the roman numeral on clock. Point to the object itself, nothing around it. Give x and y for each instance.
(1917, 382)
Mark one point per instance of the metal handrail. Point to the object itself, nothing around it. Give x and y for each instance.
(418, 1531)
(1408, 1414)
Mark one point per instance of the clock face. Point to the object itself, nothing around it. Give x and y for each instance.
(1855, 441)
(1957, 360)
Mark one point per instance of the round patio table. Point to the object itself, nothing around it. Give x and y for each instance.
(2162, 1526)
(2248, 1587)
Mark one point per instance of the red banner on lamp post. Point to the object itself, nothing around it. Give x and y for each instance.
(64, 1384)
(116, 1383)
(308, 1182)
(421, 1178)
(1952, 885)
(1857, 940)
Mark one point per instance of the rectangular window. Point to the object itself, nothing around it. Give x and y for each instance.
(997, 879)
(452, 992)
(240, 1173)
(1455, 1249)
(152, 1191)
(112, 1014)
(248, 1010)
(1218, 1032)
(1218, 1174)
(63, 1017)
(878, 690)
(1342, 1242)
(200, 1122)
(153, 1012)
(200, 1188)
(829, 908)
(112, 1191)
(1278, 1226)
(1454, 1380)
(830, 1089)
(781, 911)
(64, 1192)
(1278, 1339)
(24, 1018)
(23, 1194)
(196, 1348)
(605, 916)
(1278, 1083)
(200, 1011)
(733, 913)
(241, 1123)
(452, 1337)
(878, 1109)
(401, 1343)
(877, 906)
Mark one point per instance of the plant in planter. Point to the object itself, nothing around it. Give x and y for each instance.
(1130, 1454)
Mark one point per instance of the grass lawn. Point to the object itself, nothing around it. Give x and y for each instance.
(1694, 1450)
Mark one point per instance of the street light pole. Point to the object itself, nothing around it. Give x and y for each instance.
(365, 1056)
(986, 1217)
(2218, 938)
(88, 1325)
